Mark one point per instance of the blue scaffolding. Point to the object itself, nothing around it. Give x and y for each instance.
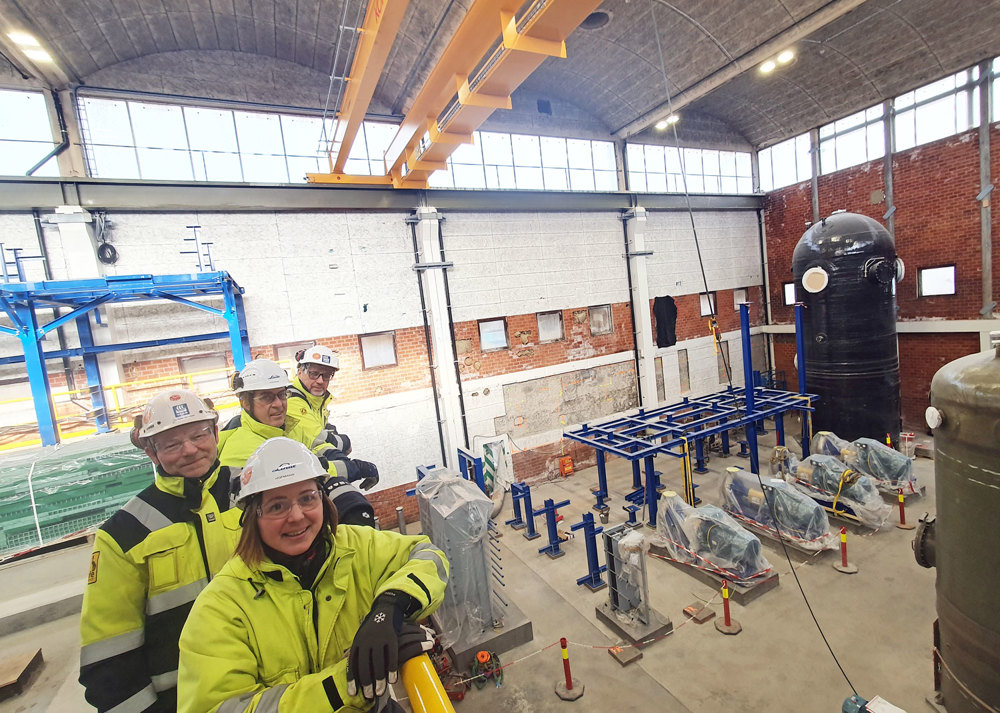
(675, 429)
(21, 300)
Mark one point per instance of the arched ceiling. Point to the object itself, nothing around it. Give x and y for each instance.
(850, 53)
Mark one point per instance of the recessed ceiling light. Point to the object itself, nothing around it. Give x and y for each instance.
(38, 55)
(23, 39)
(596, 20)
(786, 57)
(768, 66)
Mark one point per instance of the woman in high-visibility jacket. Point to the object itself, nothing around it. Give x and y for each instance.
(310, 615)
(153, 557)
(262, 387)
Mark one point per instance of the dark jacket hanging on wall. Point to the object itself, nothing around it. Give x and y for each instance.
(665, 312)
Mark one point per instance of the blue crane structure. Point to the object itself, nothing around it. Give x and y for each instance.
(677, 428)
(21, 301)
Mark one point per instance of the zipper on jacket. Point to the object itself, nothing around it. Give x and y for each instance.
(201, 544)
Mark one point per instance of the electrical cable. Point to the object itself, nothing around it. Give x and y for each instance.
(716, 335)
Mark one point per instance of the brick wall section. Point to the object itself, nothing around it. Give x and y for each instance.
(542, 463)
(920, 356)
(690, 323)
(385, 502)
(936, 222)
(526, 353)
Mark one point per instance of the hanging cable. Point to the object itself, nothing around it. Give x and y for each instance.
(716, 337)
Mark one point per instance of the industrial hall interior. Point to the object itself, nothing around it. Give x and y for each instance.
(499, 356)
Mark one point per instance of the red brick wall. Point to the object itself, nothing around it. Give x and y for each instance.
(936, 223)
(690, 323)
(920, 356)
(385, 502)
(526, 353)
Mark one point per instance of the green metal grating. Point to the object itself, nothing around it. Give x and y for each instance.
(76, 487)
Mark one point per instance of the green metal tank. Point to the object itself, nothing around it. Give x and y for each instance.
(964, 545)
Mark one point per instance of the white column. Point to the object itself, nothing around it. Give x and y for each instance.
(635, 232)
(443, 357)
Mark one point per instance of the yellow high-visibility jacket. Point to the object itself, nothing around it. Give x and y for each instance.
(257, 641)
(309, 412)
(150, 561)
(237, 444)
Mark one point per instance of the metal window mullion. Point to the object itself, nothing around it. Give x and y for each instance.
(239, 151)
(284, 149)
(135, 141)
(187, 140)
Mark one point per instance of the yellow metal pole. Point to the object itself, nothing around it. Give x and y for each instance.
(423, 686)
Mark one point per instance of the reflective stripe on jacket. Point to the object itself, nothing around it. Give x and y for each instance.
(256, 640)
(237, 444)
(150, 561)
(309, 412)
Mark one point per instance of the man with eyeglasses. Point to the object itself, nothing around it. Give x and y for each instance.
(309, 395)
(262, 387)
(153, 557)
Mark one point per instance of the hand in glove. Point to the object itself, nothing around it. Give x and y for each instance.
(414, 640)
(375, 653)
(367, 473)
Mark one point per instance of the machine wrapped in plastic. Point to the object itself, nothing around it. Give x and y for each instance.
(839, 489)
(892, 470)
(455, 514)
(772, 505)
(708, 538)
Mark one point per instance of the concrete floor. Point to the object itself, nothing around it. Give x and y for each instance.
(877, 621)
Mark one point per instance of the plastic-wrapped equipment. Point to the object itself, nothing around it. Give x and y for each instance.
(708, 538)
(799, 517)
(892, 470)
(839, 488)
(455, 514)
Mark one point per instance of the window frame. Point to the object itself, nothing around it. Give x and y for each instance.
(683, 374)
(713, 304)
(506, 334)
(562, 326)
(737, 302)
(361, 350)
(954, 281)
(611, 320)
(784, 293)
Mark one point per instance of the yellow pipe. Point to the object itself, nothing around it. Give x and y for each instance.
(423, 687)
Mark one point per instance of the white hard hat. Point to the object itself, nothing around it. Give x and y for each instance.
(173, 408)
(260, 375)
(277, 462)
(318, 354)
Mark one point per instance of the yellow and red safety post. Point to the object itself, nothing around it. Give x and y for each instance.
(727, 625)
(567, 689)
(843, 565)
(902, 513)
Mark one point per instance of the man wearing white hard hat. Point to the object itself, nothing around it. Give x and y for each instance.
(311, 614)
(309, 395)
(262, 387)
(153, 557)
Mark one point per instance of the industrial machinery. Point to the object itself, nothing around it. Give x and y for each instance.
(708, 538)
(845, 271)
(965, 417)
(772, 506)
(841, 491)
(891, 470)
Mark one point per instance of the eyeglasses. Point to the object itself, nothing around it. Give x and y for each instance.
(198, 440)
(267, 398)
(317, 375)
(279, 508)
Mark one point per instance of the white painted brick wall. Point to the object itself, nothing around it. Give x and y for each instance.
(730, 249)
(518, 263)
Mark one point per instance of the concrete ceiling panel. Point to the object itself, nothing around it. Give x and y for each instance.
(246, 33)
(225, 28)
(203, 24)
(139, 34)
(162, 31)
(265, 38)
(183, 26)
(284, 42)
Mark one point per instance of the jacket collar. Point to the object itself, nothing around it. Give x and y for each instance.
(260, 429)
(181, 487)
(267, 572)
(315, 402)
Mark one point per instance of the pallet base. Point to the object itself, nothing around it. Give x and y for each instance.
(739, 593)
(16, 673)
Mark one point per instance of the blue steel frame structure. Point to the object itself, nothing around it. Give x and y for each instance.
(672, 429)
(21, 300)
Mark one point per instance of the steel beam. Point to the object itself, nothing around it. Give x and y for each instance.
(95, 384)
(38, 379)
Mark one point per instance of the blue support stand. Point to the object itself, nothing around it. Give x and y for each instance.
(38, 379)
(632, 510)
(652, 491)
(593, 580)
(699, 456)
(751, 429)
(724, 437)
(636, 476)
(470, 465)
(530, 533)
(517, 493)
(549, 510)
(602, 483)
(779, 429)
(94, 383)
(800, 353)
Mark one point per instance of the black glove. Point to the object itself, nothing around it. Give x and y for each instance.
(374, 655)
(413, 641)
(367, 473)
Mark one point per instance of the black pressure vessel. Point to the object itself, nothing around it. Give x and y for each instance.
(845, 271)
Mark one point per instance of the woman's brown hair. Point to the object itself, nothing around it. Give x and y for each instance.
(250, 548)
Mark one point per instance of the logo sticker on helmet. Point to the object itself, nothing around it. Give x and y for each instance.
(317, 355)
(245, 478)
(175, 397)
(181, 410)
(325, 358)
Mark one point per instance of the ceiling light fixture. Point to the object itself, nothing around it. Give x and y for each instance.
(38, 55)
(767, 67)
(786, 57)
(23, 39)
(661, 124)
(664, 123)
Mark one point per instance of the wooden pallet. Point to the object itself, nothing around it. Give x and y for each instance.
(739, 593)
(16, 673)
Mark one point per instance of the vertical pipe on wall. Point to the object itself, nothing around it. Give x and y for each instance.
(814, 181)
(451, 329)
(631, 302)
(985, 185)
(888, 132)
